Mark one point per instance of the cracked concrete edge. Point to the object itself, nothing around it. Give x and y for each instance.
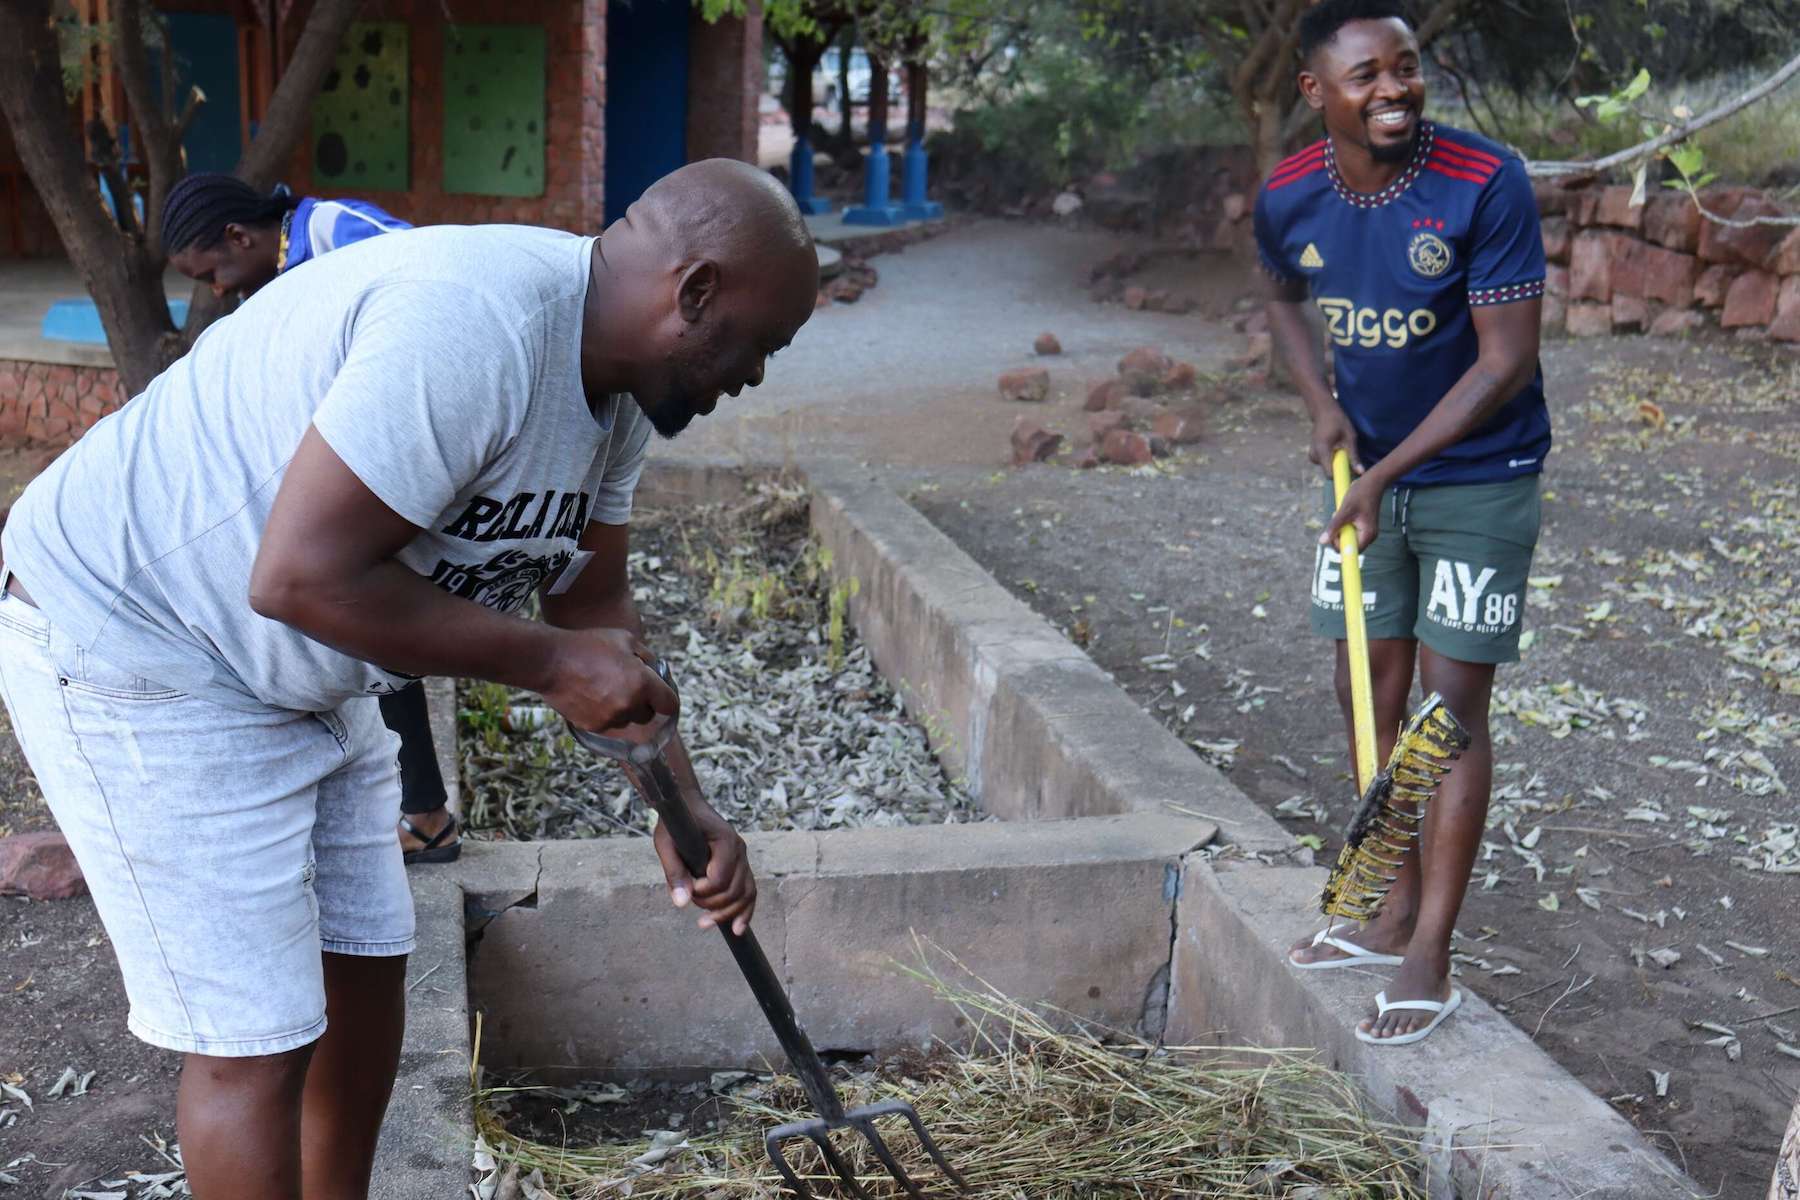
(1497, 1117)
(429, 1132)
(1028, 721)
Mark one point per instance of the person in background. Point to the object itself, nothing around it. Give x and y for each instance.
(220, 231)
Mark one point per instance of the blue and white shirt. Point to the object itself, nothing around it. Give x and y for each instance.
(1396, 273)
(316, 227)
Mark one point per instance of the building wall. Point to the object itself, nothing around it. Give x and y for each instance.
(574, 102)
(725, 79)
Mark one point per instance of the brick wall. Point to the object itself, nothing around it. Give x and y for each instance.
(725, 81)
(1664, 269)
(574, 128)
(50, 404)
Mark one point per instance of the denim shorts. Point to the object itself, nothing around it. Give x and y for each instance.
(225, 850)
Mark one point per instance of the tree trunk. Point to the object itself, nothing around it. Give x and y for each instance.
(844, 105)
(878, 104)
(803, 59)
(290, 108)
(125, 283)
(1270, 140)
(916, 82)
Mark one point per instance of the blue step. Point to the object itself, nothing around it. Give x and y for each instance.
(79, 321)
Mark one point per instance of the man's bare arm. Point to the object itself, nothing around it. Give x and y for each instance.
(1298, 346)
(326, 567)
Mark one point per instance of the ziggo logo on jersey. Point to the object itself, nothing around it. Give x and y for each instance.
(1371, 327)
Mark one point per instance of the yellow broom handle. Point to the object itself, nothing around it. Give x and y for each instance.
(1362, 695)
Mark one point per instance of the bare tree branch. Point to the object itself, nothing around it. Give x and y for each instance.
(1547, 170)
(290, 108)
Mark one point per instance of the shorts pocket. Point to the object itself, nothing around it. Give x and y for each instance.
(81, 672)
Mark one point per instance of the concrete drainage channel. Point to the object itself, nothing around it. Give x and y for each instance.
(1090, 894)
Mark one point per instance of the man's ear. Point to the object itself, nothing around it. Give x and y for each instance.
(699, 287)
(1311, 90)
(239, 237)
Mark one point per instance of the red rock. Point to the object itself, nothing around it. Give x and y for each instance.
(1554, 314)
(1180, 426)
(39, 865)
(1126, 448)
(1032, 443)
(1584, 206)
(1672, 221)
(1713, 283)
(1102, 423)
(1749, 245)
(1551, 200)
(1590, 320)
(1786, 325)
(1677, 322)
(1180, 377)
(1786, 259)
(1750, 300)
(1143, 369)
(1235, 207)
(1556, 239)
(1105, 395)
(1556, 281)
(1669, 276)
(1615, 209)
(1628, 266)
(1629, 312)
(1047, 344)
(1135, 297)
(1025, 383)
(1591, 266)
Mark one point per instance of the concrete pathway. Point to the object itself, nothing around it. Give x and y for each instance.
(906, 376)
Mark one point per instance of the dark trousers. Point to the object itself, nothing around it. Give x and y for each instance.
(421, 783)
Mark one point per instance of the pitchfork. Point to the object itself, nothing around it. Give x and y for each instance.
(645, 764)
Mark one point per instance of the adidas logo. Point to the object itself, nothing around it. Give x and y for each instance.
(1309, 257)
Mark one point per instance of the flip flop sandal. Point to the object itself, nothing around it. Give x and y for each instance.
(1355, 955)
(1442, 1008)
(445, 846)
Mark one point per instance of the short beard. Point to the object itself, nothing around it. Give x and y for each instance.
(671, 416)
(1393, 152)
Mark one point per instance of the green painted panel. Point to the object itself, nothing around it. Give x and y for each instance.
(494, 109)
(359, 120)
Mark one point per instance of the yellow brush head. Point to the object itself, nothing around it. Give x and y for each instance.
(1387, 821)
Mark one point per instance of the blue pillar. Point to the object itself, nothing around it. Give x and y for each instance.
(800, 179)
(912, 189)
(877, 207)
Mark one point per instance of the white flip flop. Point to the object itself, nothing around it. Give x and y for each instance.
(1355, 955)
(1442, 1008)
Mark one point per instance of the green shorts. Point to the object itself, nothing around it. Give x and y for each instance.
(1448, 569)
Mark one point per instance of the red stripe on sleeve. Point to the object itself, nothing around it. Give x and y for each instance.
(1469, 152)
(1308, 169)
(1435, 164)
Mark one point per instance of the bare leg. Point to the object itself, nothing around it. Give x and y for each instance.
(352, 1074)
(239, 1124)
(1391, 672)
(1453, 827)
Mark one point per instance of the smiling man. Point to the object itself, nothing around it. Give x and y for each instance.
(355, 480)
(1420, 245)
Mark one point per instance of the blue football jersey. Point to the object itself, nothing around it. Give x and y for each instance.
(1396, 272)
(318, 227)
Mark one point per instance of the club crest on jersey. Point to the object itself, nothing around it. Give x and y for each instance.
(1429, 254)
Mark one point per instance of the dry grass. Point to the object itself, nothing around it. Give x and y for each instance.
(1033, 1110)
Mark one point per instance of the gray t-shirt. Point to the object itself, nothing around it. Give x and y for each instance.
(441, 364)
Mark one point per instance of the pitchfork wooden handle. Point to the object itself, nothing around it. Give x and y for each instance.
(647, 766)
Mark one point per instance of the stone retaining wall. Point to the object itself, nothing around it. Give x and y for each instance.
(52, 404)
(1663, 268)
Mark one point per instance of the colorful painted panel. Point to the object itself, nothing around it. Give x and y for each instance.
(494, 109)
(359, 120)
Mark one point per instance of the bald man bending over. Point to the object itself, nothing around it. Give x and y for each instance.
(353, 481)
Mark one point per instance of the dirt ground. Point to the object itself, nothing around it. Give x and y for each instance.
(1640, 748)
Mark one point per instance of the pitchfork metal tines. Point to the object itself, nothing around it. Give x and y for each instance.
(1387, 821)
(644, 763)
